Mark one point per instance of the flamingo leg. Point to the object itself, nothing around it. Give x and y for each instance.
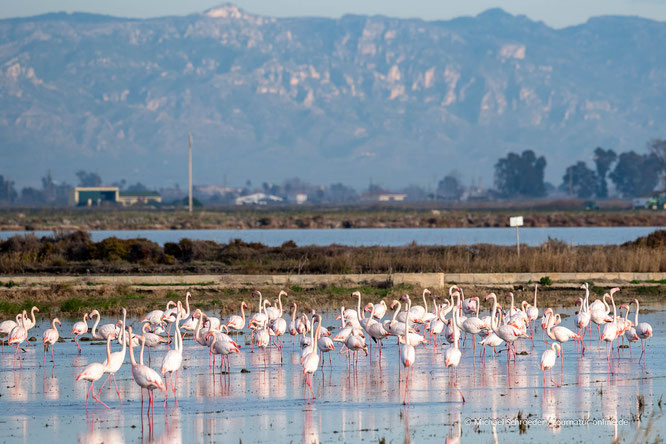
(88, 394)
(98, 400)
(107, 378)
(117, 391)
(76, 339)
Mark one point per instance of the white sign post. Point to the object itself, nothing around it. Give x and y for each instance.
(517, 222)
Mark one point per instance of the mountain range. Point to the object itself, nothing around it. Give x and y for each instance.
(352, 100)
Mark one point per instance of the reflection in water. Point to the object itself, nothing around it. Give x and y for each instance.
(357, 404)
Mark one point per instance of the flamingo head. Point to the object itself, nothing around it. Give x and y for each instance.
(491, 295)
(356, 294)
(584, 286)
(243, 304)
(634, 301)
(256, 293)
(559, 348)
(57, 321)
(368, 307)
(614, 290)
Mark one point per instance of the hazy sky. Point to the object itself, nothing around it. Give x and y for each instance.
(556, 13)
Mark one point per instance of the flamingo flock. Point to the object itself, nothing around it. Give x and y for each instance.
(412, 327)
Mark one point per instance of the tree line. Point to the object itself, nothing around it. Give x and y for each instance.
(633, 174)
(517, 175)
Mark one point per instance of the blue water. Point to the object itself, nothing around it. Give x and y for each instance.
(385, 236)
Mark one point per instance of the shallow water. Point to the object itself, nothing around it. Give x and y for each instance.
(363, 404)
(384, 236)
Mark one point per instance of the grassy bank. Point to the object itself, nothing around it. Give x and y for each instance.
(65, 300)
(567, 214)
(75, 253)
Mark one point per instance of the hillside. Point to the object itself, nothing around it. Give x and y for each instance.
(329, 100)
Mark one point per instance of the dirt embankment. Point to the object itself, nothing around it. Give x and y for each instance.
(323, 218)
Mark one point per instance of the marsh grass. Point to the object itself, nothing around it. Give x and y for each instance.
(19, 255)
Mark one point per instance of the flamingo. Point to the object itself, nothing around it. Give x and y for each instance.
(49, 338)
(452, 353)
(472, 325)
(643, 330)
(561, 334)
(325, 345)
(30, 322)
(274, 312)
(155, 316)
(93, 372)
(105, 330)
(376, 330)
(113, 364)
(310, 362)
(548, 359)
(610, 333)
(407, 353)
(380, 310)
(220, 346)
(16, 338)
(80, 328)
(582, 319)
(151, 339)
(508, 333)
(144, 376)
(469, 305)
(236, 322)
(6, 328)
(173, 360)
(419, 311)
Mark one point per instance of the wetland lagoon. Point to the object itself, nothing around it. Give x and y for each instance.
(263, 398)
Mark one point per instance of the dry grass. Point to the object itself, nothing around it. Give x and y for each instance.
(75, 253)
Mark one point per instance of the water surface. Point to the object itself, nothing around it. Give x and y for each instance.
(352, 405)
(385, 236)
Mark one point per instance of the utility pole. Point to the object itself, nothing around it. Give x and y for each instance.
(189, 186)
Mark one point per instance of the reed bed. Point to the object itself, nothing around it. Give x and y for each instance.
(75, 253)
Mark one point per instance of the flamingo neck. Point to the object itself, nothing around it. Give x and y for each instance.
(395, 313)
(359, 313)
(108, 349)
(409, 307)
(96, 323)
(243, 312)
(636, 315)
(425, 302)
(535, 295)
(131, 349)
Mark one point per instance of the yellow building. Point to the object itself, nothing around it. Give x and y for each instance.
(98, 196)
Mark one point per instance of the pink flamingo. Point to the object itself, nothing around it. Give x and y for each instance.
(173, 360)
(643, 330)
(93, 372)
(548, 359)
(80, 328)
(310, 362)
(50, 337)
(144, 376)
(237, 322)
